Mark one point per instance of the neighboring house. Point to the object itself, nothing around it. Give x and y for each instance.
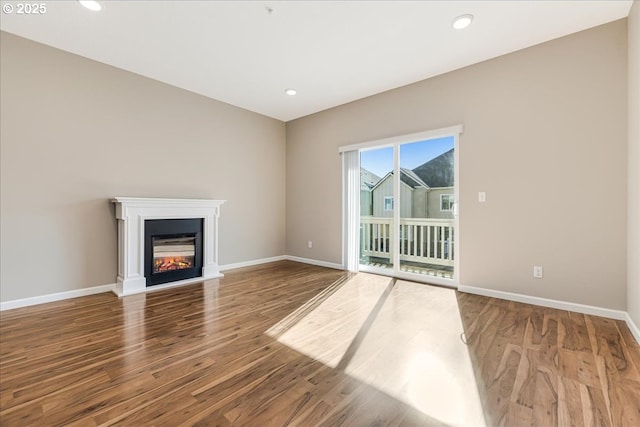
(425, 192)
(440, 203)
(438, 173)
(413, 196)
(368, 180)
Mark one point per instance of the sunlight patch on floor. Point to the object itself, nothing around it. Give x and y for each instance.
(409, 348)
(326, 332)
(419, 356)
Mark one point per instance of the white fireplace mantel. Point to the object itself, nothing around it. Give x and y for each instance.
(131, 213)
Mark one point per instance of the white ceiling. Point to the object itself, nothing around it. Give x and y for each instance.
(332, 52)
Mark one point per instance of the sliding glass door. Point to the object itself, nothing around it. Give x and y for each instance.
(407, 223)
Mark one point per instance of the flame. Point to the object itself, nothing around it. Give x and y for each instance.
(172, 263)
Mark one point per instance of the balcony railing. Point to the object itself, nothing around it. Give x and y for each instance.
(428, 241)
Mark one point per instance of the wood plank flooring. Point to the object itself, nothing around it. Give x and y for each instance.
(288, 344)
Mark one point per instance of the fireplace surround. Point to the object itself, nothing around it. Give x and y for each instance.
(165, 242)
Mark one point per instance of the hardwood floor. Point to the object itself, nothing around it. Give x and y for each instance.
(288, 344)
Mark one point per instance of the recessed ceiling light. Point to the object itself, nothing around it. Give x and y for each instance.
(91, 5)
(290, 92)
(462, 21)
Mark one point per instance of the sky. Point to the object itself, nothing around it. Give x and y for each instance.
(412, 155)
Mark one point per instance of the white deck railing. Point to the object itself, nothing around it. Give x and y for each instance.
(428, 241)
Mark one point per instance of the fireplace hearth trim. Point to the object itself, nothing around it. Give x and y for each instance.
(131, 213)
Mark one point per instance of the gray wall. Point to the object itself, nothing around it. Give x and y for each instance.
(547, 116)
(633, 242)
(75, 133)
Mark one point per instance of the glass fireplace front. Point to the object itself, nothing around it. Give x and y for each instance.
(173, 250)
(174, 253)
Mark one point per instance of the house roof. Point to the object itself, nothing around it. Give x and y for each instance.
(407, 176)
(411, 179)
(368, 179)
(437, 172)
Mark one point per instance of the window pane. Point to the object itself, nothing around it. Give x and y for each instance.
(425, 199)
(376, 207)
(388, 203)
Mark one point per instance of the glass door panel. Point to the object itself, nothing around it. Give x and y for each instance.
(426, 202)
(376, 209)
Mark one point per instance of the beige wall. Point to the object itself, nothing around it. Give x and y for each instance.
(385, 189)
(633, 274)
(75, 133)
(434, 203)
(419, 203)
(551, 115)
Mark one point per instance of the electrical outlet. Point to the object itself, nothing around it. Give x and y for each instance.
(310, 244)
(537, 271)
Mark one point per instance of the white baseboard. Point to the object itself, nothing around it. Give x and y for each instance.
(635, 331)
(41, 299)
(545, 302)
(315, 262)
(25, 302)
(252, 262)
(281, 258)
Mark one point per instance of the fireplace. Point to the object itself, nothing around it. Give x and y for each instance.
(173, 253)
(165, 242)
(173, 250)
